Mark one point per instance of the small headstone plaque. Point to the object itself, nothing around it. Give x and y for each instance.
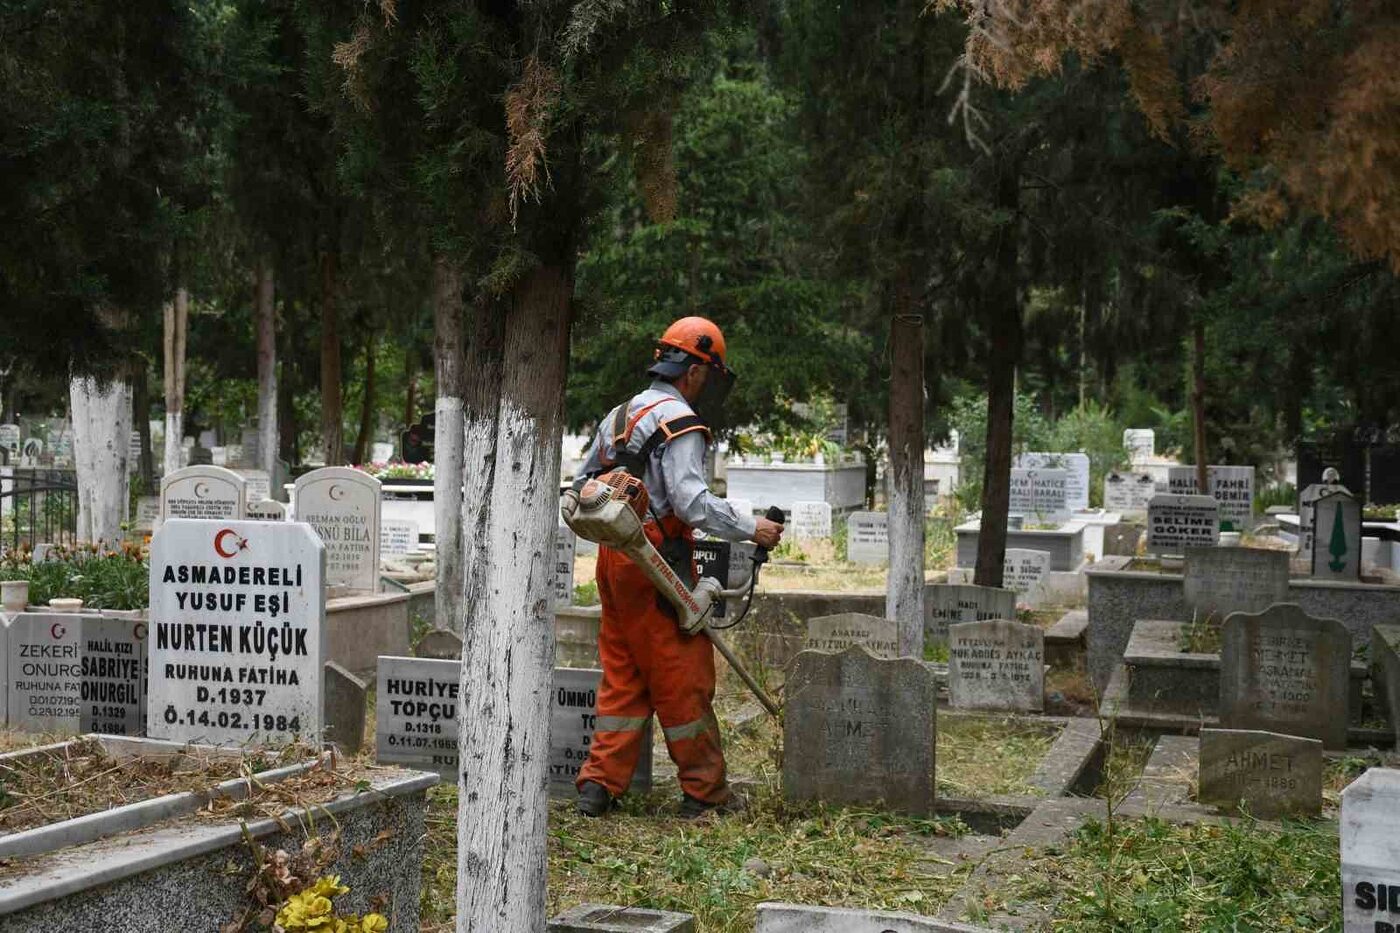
(238, 632)
(868, 538)
(343, 505)
(859, 729)
(948, 603)
(46, 673)
(1222, 580)
(1076, 466)
(259, 484)
(397, 537)
(1371, 852)
(1128, 493)
(1231, 486)
(114, 674)
(1282, 670)
(207, 492)
(811, 521)
(1121, 540)
(1385, 671)
(1141, 443)
(346, 697)
(1175, 523)
(1025, 569)
(1043, 495)
(572, 719)
(415, 713)
(837, 633)
(440, 644)
(1306, 500)
(565, 541)
(1271, 775)
(996, 665)
(147, 517)
(9, 439)
(267, 510)
(1336, 537)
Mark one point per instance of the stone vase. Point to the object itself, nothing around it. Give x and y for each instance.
(66, 604)
(14, 595)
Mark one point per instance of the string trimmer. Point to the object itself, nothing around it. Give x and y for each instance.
(609, 511)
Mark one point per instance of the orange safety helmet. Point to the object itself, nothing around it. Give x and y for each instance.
(697, 336)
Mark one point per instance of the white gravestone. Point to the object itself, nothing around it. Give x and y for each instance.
(397, 537)
(343, 504)
(868, 538)
(565, 543)
(45, 673)
(1025, 569)
(415, 713)
(9, 439)
(258, 482)
(267, 510)
(572, 719)
(208, 492)
(237, 633)
(114, 674)
(1231, 486)
(1043, 494)
(1128, 493)
(1175, 523)
(837, 633)
(1336, 537)
(1371, 852)
(1075, 464)
(811, 521)
(996, 665)
(1141, 443)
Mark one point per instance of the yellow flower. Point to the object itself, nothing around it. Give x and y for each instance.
(329, 886)
(374, 923)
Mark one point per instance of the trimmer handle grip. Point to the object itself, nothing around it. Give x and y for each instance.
(774, 514)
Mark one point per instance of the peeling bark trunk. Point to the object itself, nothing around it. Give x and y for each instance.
(265, 322)
(448, 426)
(511, 508)
(101, 443)
(332, 405)
(177, 315)
(904, 591)
(366, 432)
(1198, 404)
(1004, 317)
(145, 466)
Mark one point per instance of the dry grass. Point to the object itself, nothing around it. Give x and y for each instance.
(979, 757)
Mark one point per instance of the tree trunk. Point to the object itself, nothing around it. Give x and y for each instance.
(511, 507)
(1198, 403)
(141, 421)
(904, 589)
(177, 315)
(101, 442)
(1004, 318)
(410, 377)
(448, 426)
(288, 434)
(265, 323)
(332, 410)
(366, 432)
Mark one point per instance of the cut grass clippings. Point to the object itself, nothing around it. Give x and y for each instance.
(645, 855)
(1150, 875)
(979, 757)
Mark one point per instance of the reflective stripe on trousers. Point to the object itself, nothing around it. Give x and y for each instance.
(648, 663)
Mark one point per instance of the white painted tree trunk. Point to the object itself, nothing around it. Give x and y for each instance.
(101, 444)
(266, 326)
(510, 511)
(176, 319)
(448, 474)
(904, 588)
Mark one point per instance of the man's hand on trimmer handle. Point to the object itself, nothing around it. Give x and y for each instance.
(768, 531)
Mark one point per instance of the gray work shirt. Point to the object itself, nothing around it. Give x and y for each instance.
(675, 477)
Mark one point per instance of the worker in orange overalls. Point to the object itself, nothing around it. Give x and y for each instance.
(649, 664)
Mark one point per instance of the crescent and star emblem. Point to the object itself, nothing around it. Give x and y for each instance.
(201, 490)
(57, 630)
(335, 492)
(139, 631)
(224, 548)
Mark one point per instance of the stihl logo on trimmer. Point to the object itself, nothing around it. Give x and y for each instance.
(680, 588)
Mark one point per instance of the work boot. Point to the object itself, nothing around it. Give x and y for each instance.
(693, 808)
(594, 799)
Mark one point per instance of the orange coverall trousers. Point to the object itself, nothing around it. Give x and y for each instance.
(649, 663)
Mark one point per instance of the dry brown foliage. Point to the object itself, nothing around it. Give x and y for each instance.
(1307, 90)
(349, 55)
(650, 133)
(528, 104)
